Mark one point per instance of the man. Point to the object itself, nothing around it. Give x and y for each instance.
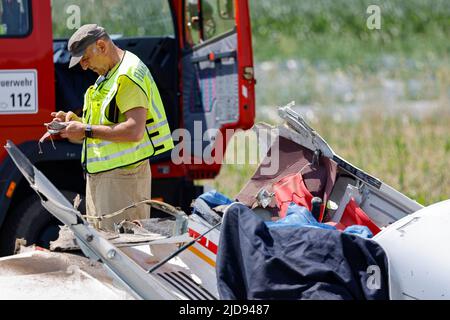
(123, 124)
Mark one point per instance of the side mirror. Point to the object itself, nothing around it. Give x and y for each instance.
(194, 23)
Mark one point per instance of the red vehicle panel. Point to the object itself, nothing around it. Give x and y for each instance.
(33, 74)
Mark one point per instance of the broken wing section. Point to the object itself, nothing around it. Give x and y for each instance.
(124, 270)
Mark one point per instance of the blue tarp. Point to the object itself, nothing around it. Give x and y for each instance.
(214, 198)
(258, 262)
(298, 216)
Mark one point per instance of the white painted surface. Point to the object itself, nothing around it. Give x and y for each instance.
(418, 254)
(38, 275)
(18, 92)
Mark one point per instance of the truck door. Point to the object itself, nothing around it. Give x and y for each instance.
(217, 68)
(26, 69)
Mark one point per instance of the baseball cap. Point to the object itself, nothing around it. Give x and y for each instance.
(83, 38)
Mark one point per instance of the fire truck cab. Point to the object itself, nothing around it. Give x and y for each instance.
(199, 53)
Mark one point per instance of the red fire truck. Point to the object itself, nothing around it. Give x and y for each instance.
(198, 51)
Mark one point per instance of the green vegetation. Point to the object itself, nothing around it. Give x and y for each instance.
(336, 30)
(120, 17)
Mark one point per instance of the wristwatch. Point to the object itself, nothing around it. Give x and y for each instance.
(88, 131)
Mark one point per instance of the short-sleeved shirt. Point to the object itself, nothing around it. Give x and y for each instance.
(129, 96)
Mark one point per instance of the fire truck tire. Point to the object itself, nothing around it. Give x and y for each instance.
(32, 222)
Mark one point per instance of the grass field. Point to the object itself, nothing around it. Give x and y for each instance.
(336, 30)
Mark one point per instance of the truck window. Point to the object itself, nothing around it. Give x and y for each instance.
(207, 19)
(120, 18)
(15, 18)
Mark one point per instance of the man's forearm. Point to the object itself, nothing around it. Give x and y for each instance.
(121, 132)
(131, 130)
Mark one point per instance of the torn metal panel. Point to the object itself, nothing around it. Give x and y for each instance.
(306, 136)
(67, 241)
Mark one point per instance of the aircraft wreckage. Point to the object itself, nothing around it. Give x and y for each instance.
(317, 228)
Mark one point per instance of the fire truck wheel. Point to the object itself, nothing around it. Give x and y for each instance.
(32, 222)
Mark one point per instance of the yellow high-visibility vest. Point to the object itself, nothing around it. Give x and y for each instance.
(101, 155)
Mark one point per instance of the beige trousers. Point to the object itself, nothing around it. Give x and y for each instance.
(108, 192)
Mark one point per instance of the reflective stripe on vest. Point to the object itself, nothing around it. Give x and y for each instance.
(150, 128)
(101, 155)
(118, 154)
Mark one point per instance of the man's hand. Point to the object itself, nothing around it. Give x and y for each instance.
(132, 130)
(65, 117)
(74, 131)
